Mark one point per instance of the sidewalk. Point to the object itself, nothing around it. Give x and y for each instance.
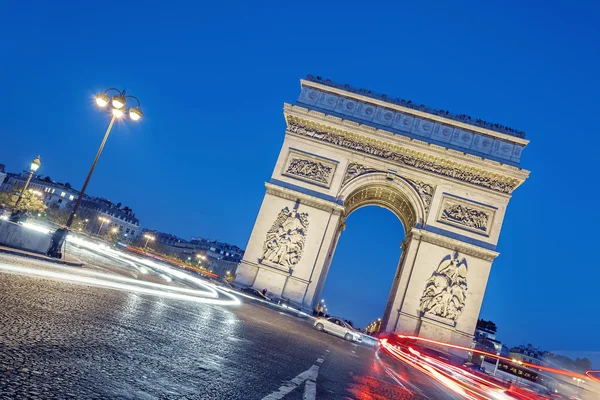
(67, 260)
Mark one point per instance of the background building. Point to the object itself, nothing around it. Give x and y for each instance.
(218, 257)
(121, 219)
(55, 194)
(2, 174)
(528, 354)
(62, 197)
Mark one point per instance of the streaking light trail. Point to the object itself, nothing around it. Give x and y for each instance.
(540, 367)
(135, 286)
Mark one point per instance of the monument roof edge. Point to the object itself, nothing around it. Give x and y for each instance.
(408, 110)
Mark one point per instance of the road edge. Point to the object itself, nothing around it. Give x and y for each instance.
(40, 257)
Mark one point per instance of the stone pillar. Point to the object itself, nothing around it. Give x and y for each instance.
(436, 266)
(290, 245)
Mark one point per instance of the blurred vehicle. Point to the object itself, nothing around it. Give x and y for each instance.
(338, 327)
(256, 293)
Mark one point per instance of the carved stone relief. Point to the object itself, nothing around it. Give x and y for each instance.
(354, 170)
(466, 215)
(284, 243)
(309, 168)
(446, 291)
(451, 171)
(425, 191)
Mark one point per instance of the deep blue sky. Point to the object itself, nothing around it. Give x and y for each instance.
(213, 76)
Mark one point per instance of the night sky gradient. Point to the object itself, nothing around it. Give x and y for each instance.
(212, 78)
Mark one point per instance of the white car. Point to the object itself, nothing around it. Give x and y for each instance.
(339, 328)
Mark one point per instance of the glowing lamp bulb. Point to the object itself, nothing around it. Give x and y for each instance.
(135, 113)
(35, 164)
(102, 100)
(117, 112)
(118, 101)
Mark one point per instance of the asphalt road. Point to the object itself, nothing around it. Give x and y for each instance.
(66, 340)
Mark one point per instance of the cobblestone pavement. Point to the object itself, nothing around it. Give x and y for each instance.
(63, 340)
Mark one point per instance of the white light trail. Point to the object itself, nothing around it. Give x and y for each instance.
(112, 281)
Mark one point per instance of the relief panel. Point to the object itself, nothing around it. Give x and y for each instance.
(465, 214)
(309, 168)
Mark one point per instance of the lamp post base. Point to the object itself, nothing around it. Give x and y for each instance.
(58, 239)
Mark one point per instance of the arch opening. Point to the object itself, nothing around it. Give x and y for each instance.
(372, 247)
(362, 271)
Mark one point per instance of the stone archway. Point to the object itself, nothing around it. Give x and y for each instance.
(447, 181)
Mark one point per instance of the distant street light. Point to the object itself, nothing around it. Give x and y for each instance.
(114, 230)
(148, 238)
(35, 164)
(103, 220)
(118, 103)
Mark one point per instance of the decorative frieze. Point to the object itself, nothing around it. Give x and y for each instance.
(446, 290)
(466, 215)
(309, 168)
(284, 243)
(407, 158)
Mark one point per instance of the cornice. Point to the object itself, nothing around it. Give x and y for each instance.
(453, 244)
(446, 167)
(417, 113)
(390, 138)
(305, 199)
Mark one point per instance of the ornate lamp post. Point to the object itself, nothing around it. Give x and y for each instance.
(35, 164)
(117, 105)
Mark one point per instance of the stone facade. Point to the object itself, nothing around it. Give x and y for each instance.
(451, 204)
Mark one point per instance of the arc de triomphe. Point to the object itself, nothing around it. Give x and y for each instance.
(447, 178)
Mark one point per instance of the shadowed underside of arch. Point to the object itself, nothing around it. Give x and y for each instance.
(396, 196)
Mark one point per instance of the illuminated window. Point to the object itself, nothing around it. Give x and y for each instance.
(62, 194)
(71, 197)
(53, 190)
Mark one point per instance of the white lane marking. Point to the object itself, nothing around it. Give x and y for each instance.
(310, 390)
(308, 377)
(293, 384)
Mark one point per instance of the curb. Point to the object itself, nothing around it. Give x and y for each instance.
(41, 257)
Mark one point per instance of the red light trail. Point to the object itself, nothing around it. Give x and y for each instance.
(540, 367)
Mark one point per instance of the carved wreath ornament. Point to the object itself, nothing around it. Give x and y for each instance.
(446, 291)
(285, 240)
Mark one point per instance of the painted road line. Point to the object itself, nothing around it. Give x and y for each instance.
(308, 377)
(310, 390)
(293, 384)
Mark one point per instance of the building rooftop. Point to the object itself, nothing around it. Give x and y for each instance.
(420, 107)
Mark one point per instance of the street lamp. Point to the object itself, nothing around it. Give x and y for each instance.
(103, 220)
(148, 238)
(35, 164)
(117, 104)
